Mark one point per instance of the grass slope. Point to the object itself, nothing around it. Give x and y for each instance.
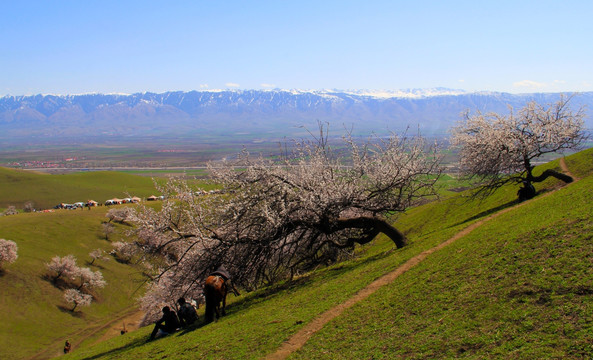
(36, 314)
(518, 286)
(45, 191)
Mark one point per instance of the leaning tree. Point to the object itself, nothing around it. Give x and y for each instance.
(275, 216)
(499, 149)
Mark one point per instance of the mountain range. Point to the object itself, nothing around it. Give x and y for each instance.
(250, 114)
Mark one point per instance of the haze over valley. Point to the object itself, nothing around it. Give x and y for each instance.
(246, 115)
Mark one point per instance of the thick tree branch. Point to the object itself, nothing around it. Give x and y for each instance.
(371, 224)
(546, 174)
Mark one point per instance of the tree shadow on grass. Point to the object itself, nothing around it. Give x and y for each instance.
(328, 274)
(509, 204)
(269, 292)
(123, 261)
(60, 283)
(487, 213)
(95, 264)
(64, 309)
(114, 352)
(252, 299)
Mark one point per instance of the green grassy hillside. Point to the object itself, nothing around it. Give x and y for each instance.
(45, 191)
(36, 318)
(518, 286)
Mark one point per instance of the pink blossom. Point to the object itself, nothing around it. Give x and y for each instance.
(8, 252)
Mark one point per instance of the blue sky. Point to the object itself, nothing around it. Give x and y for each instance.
(73, 47)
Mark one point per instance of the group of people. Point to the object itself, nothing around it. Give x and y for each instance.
(171, 321)
(187, 314)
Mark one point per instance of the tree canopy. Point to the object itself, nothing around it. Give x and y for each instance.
(276, 216)
(498, 149)
(8, 252)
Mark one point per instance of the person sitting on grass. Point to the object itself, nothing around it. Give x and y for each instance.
(187, 313)
(166, 325)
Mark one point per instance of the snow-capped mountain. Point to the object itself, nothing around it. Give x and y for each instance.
(255, 113)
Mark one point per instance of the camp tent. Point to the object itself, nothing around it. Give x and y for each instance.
(114, 201)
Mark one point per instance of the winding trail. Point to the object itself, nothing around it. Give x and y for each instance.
(299, 339)
(130, 317)
(565, 169)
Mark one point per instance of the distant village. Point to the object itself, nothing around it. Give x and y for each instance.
(39, 164)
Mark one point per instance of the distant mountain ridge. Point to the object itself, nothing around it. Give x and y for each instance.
(251, 113)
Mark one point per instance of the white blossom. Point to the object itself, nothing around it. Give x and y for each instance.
(123, 251)
(62, 267)
(275, 217)
(8, 252)
(119, 215)
(498, 149)
(97, 254)
(87, 279)
(76, 298)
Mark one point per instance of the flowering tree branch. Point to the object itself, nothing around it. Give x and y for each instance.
(275, 216)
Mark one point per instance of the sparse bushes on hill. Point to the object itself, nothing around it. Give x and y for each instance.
(65, 268)
(84, 279)
(8, 252)
(108, 229)
(88, 279)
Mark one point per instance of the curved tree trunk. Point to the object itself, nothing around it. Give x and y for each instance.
(374, 226)
(546, 174)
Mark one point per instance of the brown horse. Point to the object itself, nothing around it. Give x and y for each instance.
(215, 291)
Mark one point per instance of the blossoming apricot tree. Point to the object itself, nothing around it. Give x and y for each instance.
(277, 216)
(499, 149)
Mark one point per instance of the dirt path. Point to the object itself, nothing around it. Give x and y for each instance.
(130, 317)
(129, 322)
(566, 170)
(299, 339)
